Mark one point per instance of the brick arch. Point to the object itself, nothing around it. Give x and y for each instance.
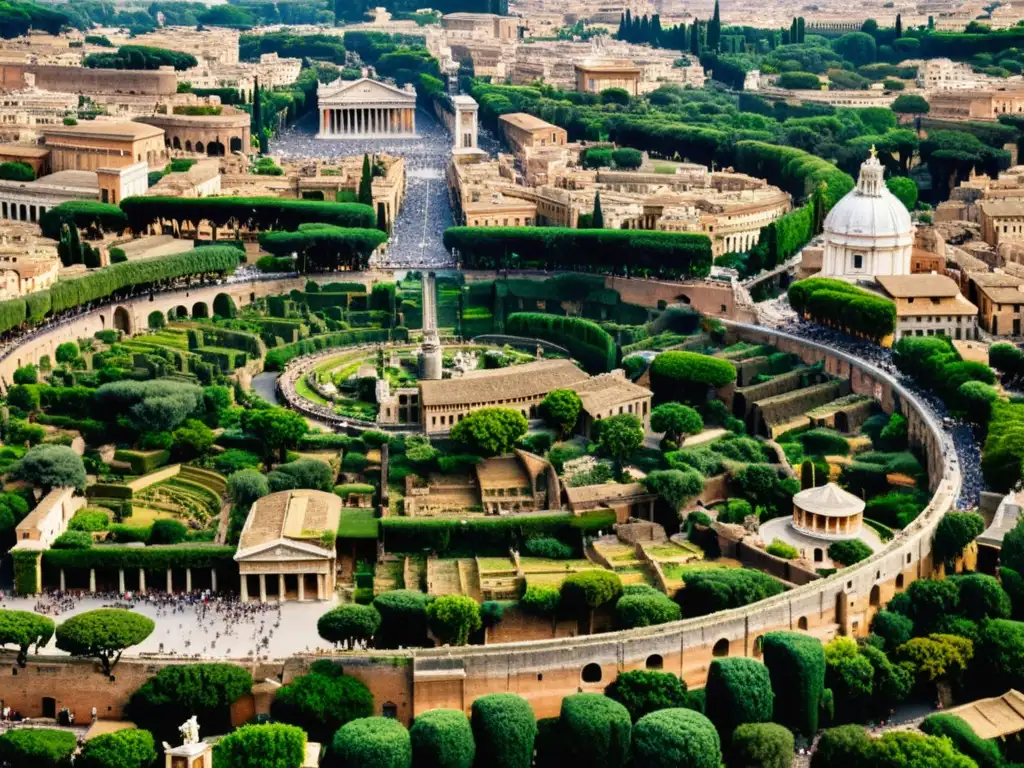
(123, 322)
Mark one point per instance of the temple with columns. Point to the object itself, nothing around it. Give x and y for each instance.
(364, 108)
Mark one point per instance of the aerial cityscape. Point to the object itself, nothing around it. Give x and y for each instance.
(511, 384)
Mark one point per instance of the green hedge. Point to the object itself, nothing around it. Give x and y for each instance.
(985, 752)
(114, 557)
(738, 691)
(504, 728)
(845, 306)
(143, 462)
(226, 360)
(796, 664)
(442, 738)
(255, 213)
(595, 731)
(487, 534)
(278, 358)
(324, 247)
(25, 581)
(687, 376)
(85, 214)
(586, 341)
(108, 491)
(661, 254)
(794, 170)
(372, 742)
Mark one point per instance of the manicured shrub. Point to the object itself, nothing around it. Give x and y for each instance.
(349, 623)
(761, 745)
(645, 611)
(372, 742)
(322, 701)
(779, 548)
(261, 746)
(985, 752)
(39, 747)
(845, 745)
(403, 619)
(586, 590)
(504, 729)
(672, 738)
(849, 551)
(642, 691)
(453, 618)
(796, 665)
(706, 592)
(738, 691)
(540, 599)
(549, 547)
(824, 442)
(131, 748)
(442, 738)
(688, 376)
(595, 730)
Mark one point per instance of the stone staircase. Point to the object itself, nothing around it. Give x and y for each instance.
(499, 584)
(443, 577)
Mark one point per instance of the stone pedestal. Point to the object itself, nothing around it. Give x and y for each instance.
(189, 756)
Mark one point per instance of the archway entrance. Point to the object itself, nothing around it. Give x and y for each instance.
(199, 309)
(215, 149)
(176, 142)
(199, 147)
(122, 320)
(236, 144)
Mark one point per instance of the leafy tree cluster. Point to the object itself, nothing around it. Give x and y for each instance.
(141, 57)
(688, 376)
(844, 306)
(322, 701)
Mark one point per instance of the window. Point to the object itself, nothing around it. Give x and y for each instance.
(858, 261)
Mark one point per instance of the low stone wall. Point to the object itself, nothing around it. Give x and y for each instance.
(780, 568)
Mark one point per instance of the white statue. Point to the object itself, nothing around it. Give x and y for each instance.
(189, 731)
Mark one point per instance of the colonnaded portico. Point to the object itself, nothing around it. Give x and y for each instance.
(366, 109)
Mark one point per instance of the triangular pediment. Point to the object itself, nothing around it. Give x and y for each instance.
(282, 550)
(363, 90)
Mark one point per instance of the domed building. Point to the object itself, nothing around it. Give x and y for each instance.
(869, 232)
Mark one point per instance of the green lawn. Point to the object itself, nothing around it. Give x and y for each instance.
(302, 389)
(358, 524)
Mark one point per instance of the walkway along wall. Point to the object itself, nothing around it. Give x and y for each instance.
(545, 671)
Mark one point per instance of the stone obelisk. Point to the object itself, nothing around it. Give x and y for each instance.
(430, 351)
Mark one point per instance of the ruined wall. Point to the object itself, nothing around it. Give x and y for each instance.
(83, 80)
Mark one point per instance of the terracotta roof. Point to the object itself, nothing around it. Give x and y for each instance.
(478, 388)
(605, 492)
(527, 122)
(122, 130)
(502, 472)
(830, 500)
(297, 514)
(607, 391)
(1002, 208)
(914, 286)
(995, 717)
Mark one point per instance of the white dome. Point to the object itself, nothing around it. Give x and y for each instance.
(870, 210)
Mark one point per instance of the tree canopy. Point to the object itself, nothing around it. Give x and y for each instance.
(103, 633)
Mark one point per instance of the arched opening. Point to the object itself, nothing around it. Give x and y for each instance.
(188, 146)
(591, 673)
(22, 212)
(876, 596)
(180, 312)
(801, 623)
(199, 147)
(215, 149)
(818, 555)
(176, 143)
(49, 707)
(720, 649)
(758, 646)
(199, 309)
(236, 144)
(122, 320)
(683, 298)
(899, 581)
(655, 661)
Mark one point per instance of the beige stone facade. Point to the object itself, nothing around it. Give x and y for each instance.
(930, 305)
(213, 135)
(597, 76)
(286, 550)
(100, 144)
(976, 104)
(525, 132)
(28, 262)
(366, 108)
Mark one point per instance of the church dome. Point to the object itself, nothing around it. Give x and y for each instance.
(870, 210)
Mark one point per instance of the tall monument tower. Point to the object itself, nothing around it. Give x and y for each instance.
(430, 350)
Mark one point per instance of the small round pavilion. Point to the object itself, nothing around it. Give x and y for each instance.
(828, 512)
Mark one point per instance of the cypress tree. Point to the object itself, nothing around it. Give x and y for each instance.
(629, 25)
(801, 29)
(695, 48)
(899, 26)
(792, 32)
(715, 30)
(366, 183)
(597, 217)
(644, 35)
(656, 30)
(622, 27)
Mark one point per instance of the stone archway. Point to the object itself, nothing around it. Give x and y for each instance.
(176, 143)
(215, 149)
(199, 147)
(199, 309)
(180, 311)
(188, 145)
(236, 144)
(123, 321)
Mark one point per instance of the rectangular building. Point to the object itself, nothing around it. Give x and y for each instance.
(930, 305)
(93, 144)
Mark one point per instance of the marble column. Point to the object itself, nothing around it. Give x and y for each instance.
(188, 579)
(280, 587)
(170, 581)
(92, 579)
(302, 587)
(263, 588)
(245, 588)
(142, 581)
(120, 580)
(213, 579)
(62, 587)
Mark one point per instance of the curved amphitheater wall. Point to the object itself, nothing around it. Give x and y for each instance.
(545, 671)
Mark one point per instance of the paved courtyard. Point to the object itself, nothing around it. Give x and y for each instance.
(426, 211)
(216, 630)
